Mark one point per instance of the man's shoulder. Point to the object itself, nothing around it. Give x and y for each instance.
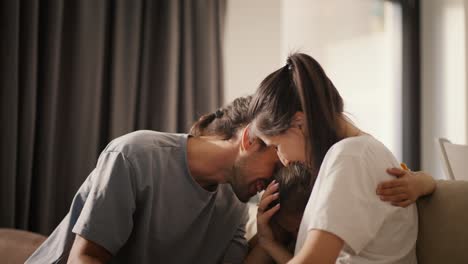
(145, 140)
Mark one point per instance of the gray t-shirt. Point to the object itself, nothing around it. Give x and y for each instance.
(142, 205)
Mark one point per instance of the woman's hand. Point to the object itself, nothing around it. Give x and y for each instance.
(264, 215)
(407, 188)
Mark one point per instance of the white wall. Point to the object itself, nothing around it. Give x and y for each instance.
(444, 93)
(252, 45)
(310, 26)
(466, 73)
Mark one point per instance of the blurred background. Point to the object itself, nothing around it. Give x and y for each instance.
(76, 74)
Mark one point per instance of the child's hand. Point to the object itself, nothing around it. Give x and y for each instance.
(407, 188)
(264, 231)
(401, 191)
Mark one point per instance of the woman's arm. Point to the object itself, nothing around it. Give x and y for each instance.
(407, 188)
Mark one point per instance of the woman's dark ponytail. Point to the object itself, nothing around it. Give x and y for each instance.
(300, 86)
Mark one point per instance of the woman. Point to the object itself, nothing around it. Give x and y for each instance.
(298, 110)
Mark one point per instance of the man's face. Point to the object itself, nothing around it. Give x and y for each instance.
(253, 170)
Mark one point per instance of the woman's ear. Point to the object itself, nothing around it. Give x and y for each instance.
(299, 121)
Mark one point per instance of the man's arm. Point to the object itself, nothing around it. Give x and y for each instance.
(86, 251)
(319, 247)
(238, 247)
(106, 218)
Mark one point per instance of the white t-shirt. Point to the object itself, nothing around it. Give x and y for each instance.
(344, 202)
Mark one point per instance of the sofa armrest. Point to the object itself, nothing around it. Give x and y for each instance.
(443, 224)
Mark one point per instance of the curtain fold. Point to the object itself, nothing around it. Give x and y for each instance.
(76, 74)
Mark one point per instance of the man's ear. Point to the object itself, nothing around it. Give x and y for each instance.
(299, 121)
(246, 139)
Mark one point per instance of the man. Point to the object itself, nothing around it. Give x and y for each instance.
(167, 198)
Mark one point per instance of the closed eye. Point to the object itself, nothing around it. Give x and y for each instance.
(262, 143)
(273, 146)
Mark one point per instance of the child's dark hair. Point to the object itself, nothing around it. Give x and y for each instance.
(295, 185)
(225, 122)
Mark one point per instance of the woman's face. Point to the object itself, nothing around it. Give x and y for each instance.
(290, 145)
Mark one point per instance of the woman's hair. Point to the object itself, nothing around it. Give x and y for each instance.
(295, 185)
(225, 122)
(300, 86)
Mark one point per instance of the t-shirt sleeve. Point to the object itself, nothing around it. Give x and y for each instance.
(107, 215)
(346, 205)
(238, 247)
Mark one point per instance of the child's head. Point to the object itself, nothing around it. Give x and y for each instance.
(295, 186)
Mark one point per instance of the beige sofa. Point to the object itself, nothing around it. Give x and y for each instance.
(443, 225)
(17, 245)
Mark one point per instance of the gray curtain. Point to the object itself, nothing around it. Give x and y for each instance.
(76, 74)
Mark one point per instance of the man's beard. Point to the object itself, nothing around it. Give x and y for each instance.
(240, 188)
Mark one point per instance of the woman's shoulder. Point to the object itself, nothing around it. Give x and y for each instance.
(353, 146)
(360, 147)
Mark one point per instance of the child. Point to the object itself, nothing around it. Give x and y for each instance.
(278, 226)
(284, 200)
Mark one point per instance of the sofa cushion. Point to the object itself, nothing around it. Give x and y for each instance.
(17, 245)
(443, 224)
